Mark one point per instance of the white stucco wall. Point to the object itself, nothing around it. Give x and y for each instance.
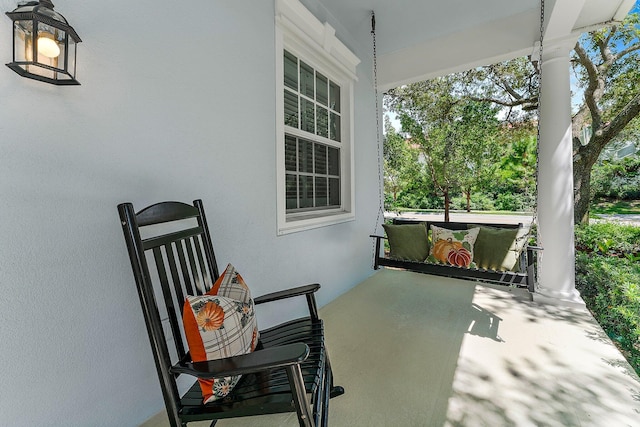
(176, 103)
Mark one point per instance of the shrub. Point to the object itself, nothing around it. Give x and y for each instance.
(420, 201)
(618, 179)
(513, 202)
(479, 202)
(608, 237)
(608, 278)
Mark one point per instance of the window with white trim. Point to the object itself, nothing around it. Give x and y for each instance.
(316, 74)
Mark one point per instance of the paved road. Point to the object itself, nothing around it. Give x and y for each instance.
(464, 217)
(631, 219)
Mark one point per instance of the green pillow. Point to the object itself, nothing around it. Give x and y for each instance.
(497, 248)
(407, 241)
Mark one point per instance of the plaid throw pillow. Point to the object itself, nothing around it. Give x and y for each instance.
(230, 284)
(218, 326)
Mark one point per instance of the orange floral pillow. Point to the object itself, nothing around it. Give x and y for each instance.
(452, 247)
(217, 326)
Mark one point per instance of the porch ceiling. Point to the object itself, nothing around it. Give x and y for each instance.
(421, 39)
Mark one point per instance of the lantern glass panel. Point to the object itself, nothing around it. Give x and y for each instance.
(71, 65)
(22, 40)
(50, 46)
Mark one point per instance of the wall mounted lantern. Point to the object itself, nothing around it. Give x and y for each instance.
(44, 44)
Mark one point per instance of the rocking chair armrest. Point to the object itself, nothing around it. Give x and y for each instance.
(534, 248)
(259, 360)
(287, 293)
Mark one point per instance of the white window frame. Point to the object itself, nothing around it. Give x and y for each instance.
(315, 43)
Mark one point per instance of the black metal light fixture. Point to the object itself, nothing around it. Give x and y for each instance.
(44, 44)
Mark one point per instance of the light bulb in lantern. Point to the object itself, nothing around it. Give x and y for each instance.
(48, 47)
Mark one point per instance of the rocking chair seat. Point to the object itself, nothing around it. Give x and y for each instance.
(299, 340)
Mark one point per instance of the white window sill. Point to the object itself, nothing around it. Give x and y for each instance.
(302, 222)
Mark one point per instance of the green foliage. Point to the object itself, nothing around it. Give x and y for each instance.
(479, 131)
(507, 183)
(479, 202)
(464, 151)
(605, 64)
(614, 237)
(419, 199)
(617, 179)
(418, 193)
(515, 202)
(608, 278)
(400, 164)
(457, 136)
(517, 171)
(621, 74)
(509, 83)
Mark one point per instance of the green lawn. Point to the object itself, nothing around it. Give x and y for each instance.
(608, 207)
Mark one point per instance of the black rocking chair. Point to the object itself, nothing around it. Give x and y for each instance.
(172, 256)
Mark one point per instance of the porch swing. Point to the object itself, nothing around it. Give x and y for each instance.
(502, 255)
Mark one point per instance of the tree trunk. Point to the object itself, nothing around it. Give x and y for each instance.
(583, 162)
(468, 194)
(447, 202)
(581, 194)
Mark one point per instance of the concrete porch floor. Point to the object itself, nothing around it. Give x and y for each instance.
(418, 350)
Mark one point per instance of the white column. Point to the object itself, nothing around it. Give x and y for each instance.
(555, 182)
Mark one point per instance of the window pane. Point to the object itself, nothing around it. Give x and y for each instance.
(334, 127)
(313, 170)
(321, 191)
(290, 71)
(290, 109)
(321, 89)
(306, 191)
(308, 115)
(322, 122)
(334, 192)
(321, 159)
(305, 156)
(334, 161)
(292, 191)
(334, 97)
(290, 153)
(306, 80)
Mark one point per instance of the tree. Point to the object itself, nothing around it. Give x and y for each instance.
(478, 136)
(517, 169)
(607, 63)
(455, 134)
(400, 162)
(606, 66)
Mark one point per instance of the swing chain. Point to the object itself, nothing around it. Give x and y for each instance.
(534, 220)
(539, 72)
(380, 213)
